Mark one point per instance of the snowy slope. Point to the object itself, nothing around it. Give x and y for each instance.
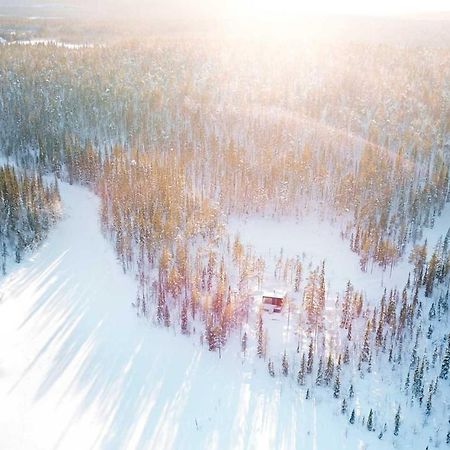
(78, 369)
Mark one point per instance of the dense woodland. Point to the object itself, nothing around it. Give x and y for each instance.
(28, 209)
(273, 132)
(175, 136)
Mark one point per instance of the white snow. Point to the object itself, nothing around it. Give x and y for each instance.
(313, 239)
(79, 370)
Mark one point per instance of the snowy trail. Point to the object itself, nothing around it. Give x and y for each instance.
(78, 370)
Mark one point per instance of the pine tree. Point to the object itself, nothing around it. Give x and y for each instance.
(329, 370)
(352, 417)
(407, 382)
(379, 334)
(301, 372)
(445, 362)
(298, 276)
(319, 378)
(321, 297)
(271, 368)
(403, 311)
(210, 269)
(184, 318)
(345, 316)
(309, 365)
(284, 365)
(432, 312)
(417, 387)
(346, 355)
(397, 422)
(211, 336)
(337, 387)
(431, 274)
(160, 305)
(418, 258)
(365, 353)
(310, 298)
(244, 343)
(166, 316)
(344, 406)
(18, 253)
(4, 256)
(370, 421)
(260, 337)
(429, 404)
(358, 304)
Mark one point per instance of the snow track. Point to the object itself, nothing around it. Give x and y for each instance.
(79, 370)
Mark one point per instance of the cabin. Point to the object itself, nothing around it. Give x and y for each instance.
(273, 301)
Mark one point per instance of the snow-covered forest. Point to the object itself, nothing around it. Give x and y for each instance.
(29, 207)
(220, 171)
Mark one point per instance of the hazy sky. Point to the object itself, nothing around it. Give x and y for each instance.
(344, 6)
(247, 8)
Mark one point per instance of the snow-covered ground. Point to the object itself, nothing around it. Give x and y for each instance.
(79, 370)
(314, 240)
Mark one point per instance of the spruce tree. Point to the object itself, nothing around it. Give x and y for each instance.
(184, 318)
(445, 362)
(260, 337)
(407, 383)
(351, 392)
(370, 421)
(397, 422)
(365, 353)
(346, 358)
(329, 370)
(298, 275)
(319, 378)
(271, 368)
(166, 316)
(337, 387)
(4, 256)
(429, 404)
(352, 417)
(309, 365)
(284, 365)
(301, 372)
(211, 336)
(244, 343)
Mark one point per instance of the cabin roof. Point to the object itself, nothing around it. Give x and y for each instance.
(275, 293)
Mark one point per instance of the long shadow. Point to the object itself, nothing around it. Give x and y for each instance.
(148, 385)
(150, 389)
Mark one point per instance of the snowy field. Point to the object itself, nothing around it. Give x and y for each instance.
(78, 370)
(314, 240)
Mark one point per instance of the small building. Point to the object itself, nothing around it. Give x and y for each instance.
(273, 301)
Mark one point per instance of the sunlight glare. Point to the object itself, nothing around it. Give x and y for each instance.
(287, 8)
